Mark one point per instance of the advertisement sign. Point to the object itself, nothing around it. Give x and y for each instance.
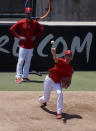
(80, 39)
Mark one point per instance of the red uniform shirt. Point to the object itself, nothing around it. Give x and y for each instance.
(27, 30)
(61, 69)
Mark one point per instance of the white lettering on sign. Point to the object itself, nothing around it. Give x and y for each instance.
(76, 45)
(60, 40)
(42, 45)
(3, 41)
(15, 46)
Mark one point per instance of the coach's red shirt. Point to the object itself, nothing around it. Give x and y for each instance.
(61, 69)
(27, 30)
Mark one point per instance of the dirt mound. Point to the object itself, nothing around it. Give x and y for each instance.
(20, 111)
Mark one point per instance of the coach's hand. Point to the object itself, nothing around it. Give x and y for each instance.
(33, 38)
(22, 38)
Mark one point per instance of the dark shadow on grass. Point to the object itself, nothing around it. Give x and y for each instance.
(65, 116)
(34, 81)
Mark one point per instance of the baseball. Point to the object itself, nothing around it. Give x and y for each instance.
(52, 41)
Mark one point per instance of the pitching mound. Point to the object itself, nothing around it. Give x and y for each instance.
(20, 111)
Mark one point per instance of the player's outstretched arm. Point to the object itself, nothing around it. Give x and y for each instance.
(54, 55)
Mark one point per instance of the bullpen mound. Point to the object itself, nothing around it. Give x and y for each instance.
(20, 111)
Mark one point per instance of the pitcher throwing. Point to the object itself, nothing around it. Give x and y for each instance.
(59, 77)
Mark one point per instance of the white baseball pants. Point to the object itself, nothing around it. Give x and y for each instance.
(25, 56)
(49, 84)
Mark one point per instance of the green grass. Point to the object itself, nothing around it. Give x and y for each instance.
(81, 81)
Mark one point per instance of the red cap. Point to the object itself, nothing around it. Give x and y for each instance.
(68, 52)
(28, 10)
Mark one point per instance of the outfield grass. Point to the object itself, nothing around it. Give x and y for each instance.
(81, 81)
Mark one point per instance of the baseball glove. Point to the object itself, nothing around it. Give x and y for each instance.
(65, 82)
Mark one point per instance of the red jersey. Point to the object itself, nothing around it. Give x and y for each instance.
(61, 69)
(27, 30)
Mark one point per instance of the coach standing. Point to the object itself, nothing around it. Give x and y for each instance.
(29, 30)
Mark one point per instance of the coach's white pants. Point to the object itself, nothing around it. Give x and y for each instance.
(25, 56)
(49, 84)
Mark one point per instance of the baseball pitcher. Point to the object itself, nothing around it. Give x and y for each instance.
(59, 77)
